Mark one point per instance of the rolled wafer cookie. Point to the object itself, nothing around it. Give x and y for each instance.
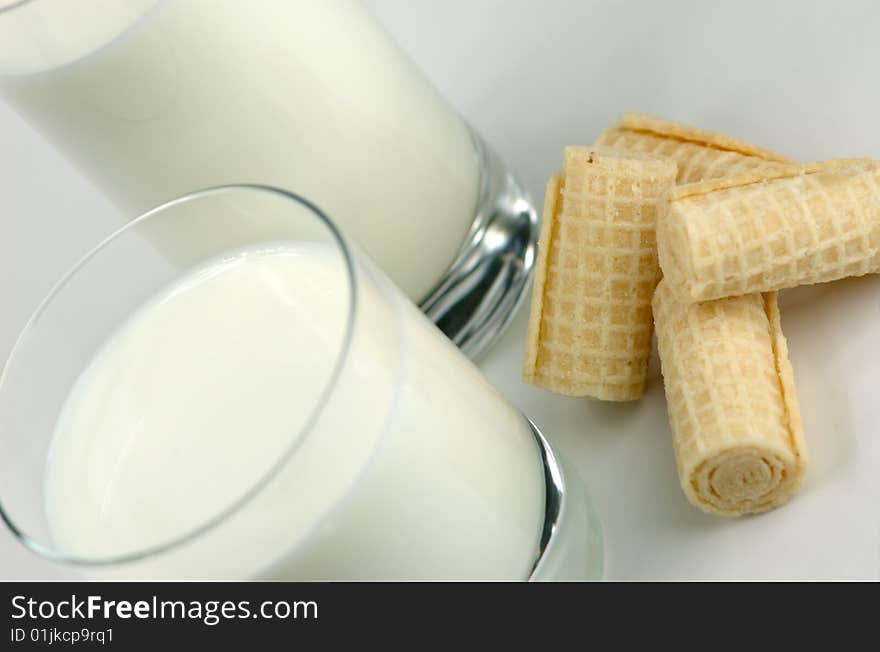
(767, 231)
(700, 154)
(590, 324)
(730, 394)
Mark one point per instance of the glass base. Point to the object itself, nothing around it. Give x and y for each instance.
(571, 544)
(481, 290)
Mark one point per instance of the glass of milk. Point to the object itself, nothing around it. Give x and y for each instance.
(150, 99)
(272, 407)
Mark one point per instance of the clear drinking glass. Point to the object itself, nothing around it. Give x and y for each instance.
(303, 422)
(152, 98)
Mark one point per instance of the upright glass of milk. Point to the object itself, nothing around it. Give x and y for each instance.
(151, 99)
(273, 408)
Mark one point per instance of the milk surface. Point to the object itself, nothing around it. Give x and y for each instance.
(239, 400)
(154, 99)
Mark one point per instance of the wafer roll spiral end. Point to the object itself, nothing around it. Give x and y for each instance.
(743, 481)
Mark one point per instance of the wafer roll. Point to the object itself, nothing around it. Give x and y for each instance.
(732, 406)
(700, 154)
(590, 324)
(817, 223)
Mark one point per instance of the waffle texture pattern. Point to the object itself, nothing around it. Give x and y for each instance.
(731, 400)
(700, 154)
(590, 324)
(817, 223)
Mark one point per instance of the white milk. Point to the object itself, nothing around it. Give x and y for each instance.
(152, 100)
(413, 468)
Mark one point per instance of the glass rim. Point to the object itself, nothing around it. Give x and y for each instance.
(52, 553)
(25, 71)
(15, 4)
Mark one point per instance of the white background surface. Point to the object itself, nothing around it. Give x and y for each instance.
(797, 76)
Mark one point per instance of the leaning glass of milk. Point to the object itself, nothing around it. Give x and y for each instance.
(274, 408)
(151, 98)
